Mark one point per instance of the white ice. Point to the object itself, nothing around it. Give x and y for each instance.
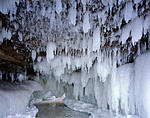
(14, 97)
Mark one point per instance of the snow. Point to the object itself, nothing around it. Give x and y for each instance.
(29, 113)
(15, 97)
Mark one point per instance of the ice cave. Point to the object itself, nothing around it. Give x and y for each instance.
(74, 58)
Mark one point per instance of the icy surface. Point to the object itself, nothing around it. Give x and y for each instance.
(51, 48)
(15, 97)
(29, 113)
(122, 91)
(73, 15)
(33, 55)
(86, 22)
(96, 39)
(58, 6)
(92, 110)
(142, 81)
(8, 5)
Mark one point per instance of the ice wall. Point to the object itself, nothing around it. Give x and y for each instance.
(120, 90)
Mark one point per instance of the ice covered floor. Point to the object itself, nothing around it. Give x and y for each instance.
(58, 110)
(92, 110)
(14, 98)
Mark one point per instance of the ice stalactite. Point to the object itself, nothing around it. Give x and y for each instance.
(8, 5)
(58, 6)
(33, 55)
(96, 39)
(72, 14)
(115, 89)
(51, 48)
(86, 22)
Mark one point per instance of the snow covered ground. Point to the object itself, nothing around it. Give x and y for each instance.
(14, 99)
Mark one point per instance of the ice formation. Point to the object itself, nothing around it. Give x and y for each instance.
(33, 55)
(88, 46)
(86, 22)
(119, 90)
(58, 6)
(51, 48)
(8, 5)
(15, 97)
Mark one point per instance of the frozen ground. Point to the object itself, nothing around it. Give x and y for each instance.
(58, 110)
(93, 110)
(14, 98)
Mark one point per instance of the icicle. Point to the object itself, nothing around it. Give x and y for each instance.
(72, 15)
(84, 2)
(12, 77)
(58, 6)
(96, 39)
(20, 36)
(137, 29)
(33, 55)
(0, 75)
(128, 11)
(86, 23)
(51, 47)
